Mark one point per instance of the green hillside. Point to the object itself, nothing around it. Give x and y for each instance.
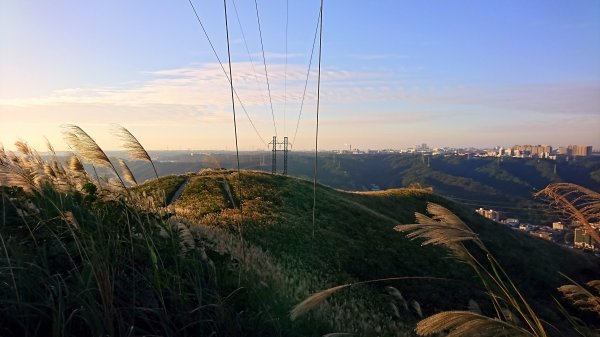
(354, 239)
(95, 263)
(506, 185)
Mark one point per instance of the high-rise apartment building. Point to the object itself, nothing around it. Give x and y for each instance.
(581, 150)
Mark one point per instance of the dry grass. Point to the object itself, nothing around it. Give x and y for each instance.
(88, 149)
(127, 174)
(581, 297)
(577, 202)
(313, 300)
(446, 229)
(133, 146)
(443, 228)
(467, 323)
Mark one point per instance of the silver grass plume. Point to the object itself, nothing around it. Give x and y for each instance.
(31, 157)
(417, 308)
(56, 164)
(26, 171)
(127, 174)
(313, 300)
(467, 323)
(23, 147)
(133, 146)
(49, 171)
(75, 165)
(577, 202)
(85, 145)
(13, 174)
(397, 295)
(443, 228)
(87, 148)
(581, 297)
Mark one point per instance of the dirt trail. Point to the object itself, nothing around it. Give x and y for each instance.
(179, 191)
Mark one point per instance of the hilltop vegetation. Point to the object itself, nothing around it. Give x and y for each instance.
(354, 239)
(196, 264)
(219, 253)
(506, 185)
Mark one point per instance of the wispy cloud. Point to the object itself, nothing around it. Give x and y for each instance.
(199, 95)
(275, 56)
(379, 56)
(581, 98)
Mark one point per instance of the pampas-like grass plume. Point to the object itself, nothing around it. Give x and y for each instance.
(87, 148)
(49, 171)
(133, 146)
(23, 147)
(75, 165)
(467, 323)
(579, 203)
(443, 228)
(313, 300)
(127, 174)
(417, 308)
(581, 297)
(85, 145)
(397, 295)
(12, 173)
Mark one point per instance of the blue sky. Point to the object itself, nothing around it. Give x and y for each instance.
(394, 73)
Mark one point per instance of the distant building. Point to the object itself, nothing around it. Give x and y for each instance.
(489, 214)
(559, 226)
(422, 148)
(531, 151)
(542, 234)
(581, 150)
(583, 239)
(514, 223)
(527, 227)
(564, 151)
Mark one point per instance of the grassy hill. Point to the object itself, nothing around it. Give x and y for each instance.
(87, 262)
(506, 185)
(354, 240)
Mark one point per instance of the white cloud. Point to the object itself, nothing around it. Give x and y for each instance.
(174, 100)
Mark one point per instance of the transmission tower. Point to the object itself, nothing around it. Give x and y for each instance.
(274, 155)
(279, 146)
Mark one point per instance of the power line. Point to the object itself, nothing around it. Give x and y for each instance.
(307, 76)
(237, 152)
(488, 202)
(287, 7)
(247, 49)
(317, 128)
(265, 64)
(485, 205)
(225, 72)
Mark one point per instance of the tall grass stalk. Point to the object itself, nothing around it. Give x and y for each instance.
(446, 229)
(87, 148)
(133, 146)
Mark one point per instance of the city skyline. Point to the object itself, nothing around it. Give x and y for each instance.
(468, 74)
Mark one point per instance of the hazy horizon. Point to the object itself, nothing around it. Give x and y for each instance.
(468, 74)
